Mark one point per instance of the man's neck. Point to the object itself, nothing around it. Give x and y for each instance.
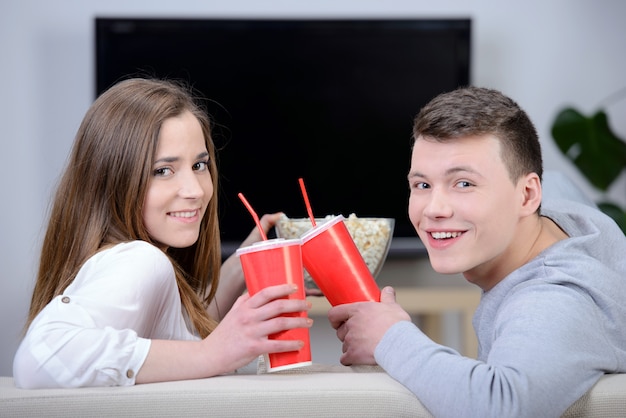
(536, 234)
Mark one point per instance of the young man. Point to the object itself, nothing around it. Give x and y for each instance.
(551, 319)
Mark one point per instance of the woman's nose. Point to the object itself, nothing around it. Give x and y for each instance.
(191, 186)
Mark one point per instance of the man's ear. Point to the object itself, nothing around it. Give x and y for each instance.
(530, 186)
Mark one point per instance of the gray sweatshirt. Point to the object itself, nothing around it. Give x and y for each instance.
(546, 333)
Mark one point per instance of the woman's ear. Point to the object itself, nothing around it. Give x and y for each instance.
(530, 186)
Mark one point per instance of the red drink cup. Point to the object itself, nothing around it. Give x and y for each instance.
(334, 262)
(274, 262)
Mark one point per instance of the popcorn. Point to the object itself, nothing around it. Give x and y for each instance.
(372, 237)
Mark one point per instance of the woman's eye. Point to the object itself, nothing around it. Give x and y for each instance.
(163, 171)
(201, 166)
(464, 184)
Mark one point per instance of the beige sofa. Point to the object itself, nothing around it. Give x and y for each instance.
(314, 391)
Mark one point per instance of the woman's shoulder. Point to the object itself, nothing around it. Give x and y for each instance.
(138, 251)
(136, 259)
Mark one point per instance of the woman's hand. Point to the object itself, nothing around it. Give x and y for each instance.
(243, 333)
(236, 341)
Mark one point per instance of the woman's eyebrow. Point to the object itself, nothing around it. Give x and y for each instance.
(203, 154)
(167, 160)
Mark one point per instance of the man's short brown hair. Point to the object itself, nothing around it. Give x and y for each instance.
(476, 111)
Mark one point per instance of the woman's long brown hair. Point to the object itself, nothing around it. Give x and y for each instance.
(100, 198)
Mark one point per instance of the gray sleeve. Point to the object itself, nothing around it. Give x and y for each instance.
(534, 367)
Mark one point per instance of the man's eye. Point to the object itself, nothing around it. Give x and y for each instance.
(420, 185)
(201, 166)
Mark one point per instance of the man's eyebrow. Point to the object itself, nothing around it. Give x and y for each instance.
(413, 174)
(449, 171)
(461, 168)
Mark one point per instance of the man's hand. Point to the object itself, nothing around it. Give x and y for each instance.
(361, 326)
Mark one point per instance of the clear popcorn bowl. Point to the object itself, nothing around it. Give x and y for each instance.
(372, 237)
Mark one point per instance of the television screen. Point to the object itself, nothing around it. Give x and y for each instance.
(328, 100)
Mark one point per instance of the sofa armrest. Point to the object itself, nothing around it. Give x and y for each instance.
(607, 399)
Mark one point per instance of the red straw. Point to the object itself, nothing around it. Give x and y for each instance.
(306, 201)
(254, 216)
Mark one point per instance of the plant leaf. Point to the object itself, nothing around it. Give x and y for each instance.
(591, 145)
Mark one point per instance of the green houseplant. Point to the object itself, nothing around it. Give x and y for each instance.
(597, 152)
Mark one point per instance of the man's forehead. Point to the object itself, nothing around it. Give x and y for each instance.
(454, 155)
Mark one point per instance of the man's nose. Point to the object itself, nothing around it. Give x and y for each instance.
(438, 205)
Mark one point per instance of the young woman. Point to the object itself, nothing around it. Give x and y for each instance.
(127, 290)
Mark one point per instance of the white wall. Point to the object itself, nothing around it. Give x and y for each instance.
(544, 54)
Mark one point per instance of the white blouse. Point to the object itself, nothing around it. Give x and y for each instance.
(98, 332)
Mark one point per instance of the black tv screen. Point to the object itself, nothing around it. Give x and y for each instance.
(328, 100)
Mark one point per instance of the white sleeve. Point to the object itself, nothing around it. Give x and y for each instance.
(97, 333)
